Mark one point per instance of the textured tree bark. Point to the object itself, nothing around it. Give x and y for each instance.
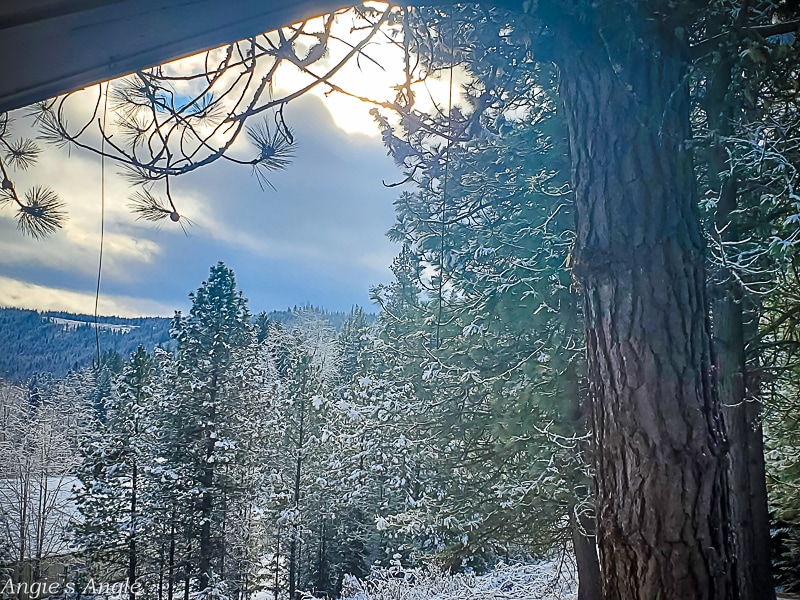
(748, 492)
(639, 257)
(582, 525)
(132, 542)
(748, 496)
(585, 547)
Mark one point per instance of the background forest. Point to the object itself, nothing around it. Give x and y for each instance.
(251, 453)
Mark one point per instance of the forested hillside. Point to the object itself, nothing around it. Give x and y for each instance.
(35, 343)
(53, 343)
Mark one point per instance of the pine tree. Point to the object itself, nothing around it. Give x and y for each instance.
(113, 499)
(352, 339)
(305, 359)
(211, 383)
(500, 377)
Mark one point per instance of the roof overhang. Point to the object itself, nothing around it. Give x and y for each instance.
(50, 47)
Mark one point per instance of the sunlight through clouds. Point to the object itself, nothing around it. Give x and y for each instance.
(376, 75)
(27, 295)
(76, 179)
(317, 237)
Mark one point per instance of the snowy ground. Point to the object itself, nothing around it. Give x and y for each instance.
(48, 500)
(545, 580)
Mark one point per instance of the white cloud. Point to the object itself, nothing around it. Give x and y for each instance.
(77, 251)
(38, 297)
(318, 238)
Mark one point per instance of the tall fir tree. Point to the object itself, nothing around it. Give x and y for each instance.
(496, 357)
(305, 359)
(210, 403)
(113, 498)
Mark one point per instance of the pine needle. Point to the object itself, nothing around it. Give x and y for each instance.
(42, 214)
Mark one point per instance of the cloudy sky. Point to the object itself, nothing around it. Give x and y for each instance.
(318, 238)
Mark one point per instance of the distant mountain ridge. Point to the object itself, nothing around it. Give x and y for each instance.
(33, 342)
(55, 342)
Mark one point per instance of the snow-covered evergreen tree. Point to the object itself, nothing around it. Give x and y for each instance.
(115, 498)
(353, 339)
(305, 359)
(212, 403)
(492, 343)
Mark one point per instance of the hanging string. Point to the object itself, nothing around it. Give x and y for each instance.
(102, 220)
(444, 185)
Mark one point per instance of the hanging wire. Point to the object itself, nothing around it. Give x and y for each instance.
(102, 220)
(444, 184)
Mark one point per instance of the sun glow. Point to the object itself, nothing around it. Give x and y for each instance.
(369, 79)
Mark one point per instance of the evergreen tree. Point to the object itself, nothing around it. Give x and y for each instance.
(211, 400)
(497, 360)
(780, 373)
(352, 339)
(305, 359)
(113, 499)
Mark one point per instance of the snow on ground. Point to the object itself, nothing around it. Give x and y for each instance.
(543, 580)
(74, 324)
(48, 500)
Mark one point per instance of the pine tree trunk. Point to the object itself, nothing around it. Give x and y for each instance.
(584, 545)
(161, 572)
(132, 542)
(207, 498)
(206, 507)
(582, 525)
(749, 513)
(658, 444)
(277, 563)
(188, 571)
(761, 580)
(319, 576)
(294, 558)
(293, 564)
(171, 573)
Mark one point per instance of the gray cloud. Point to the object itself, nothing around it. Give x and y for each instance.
(319, 238)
